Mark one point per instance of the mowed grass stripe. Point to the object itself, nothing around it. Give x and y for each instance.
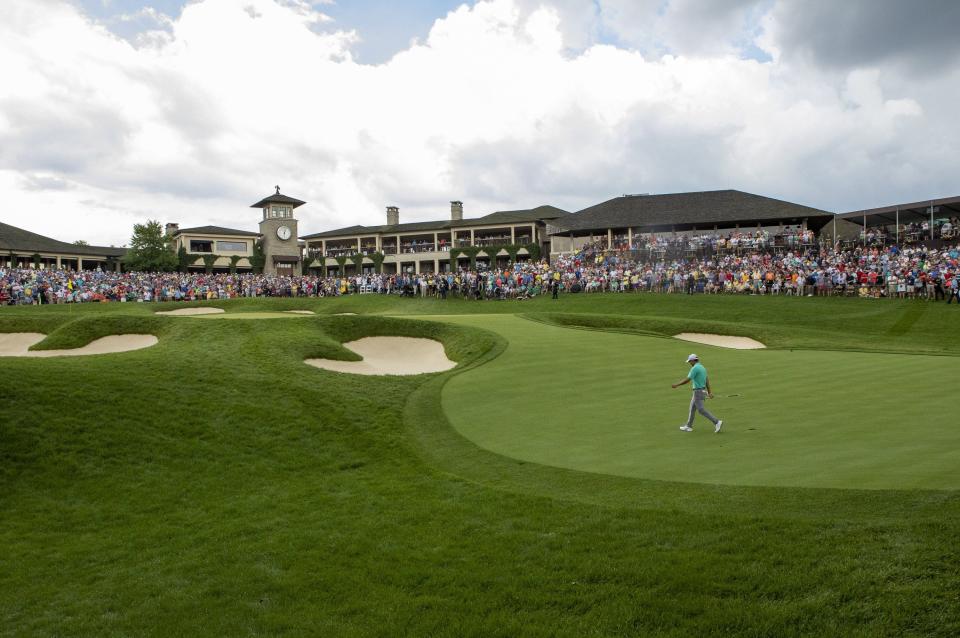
(601, 402)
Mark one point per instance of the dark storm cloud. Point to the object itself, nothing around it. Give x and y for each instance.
(922, 34)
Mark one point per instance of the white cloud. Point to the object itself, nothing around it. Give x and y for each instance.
(494, 107)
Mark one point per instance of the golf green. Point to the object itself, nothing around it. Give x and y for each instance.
(601, 402)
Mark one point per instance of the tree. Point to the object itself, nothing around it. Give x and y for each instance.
(358, 261)
(342, 265)
(36, 261)
(377, 259)
(471, 253)
(208, 261)
(150, 249)
(184, 259)
(533, 249)
(258, 259)
(234, 260)
(80, 242)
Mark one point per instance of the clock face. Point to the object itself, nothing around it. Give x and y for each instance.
(283, 232)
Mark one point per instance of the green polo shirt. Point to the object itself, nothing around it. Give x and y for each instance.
(698, 375)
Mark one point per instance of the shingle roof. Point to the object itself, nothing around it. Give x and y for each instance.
(705, 207)
(215, 230)
(514, 216)
(20, 240)
(499, 217)
(278, 198)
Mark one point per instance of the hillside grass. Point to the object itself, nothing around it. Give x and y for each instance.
(215, 485)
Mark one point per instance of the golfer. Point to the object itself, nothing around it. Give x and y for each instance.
(701, 391)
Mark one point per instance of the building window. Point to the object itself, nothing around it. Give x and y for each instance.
(201, 246)
(281, 212)
(232, 246)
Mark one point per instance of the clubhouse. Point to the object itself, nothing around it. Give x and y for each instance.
(495, 238)
(436, 246)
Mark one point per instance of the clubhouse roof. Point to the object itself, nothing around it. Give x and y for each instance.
(540, 213)
(13, 239)
(689, 211)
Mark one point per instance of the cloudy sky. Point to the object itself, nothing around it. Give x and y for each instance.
(116, 111)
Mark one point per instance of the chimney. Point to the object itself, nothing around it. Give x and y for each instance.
(393, 215)
(171, 229)
(456, 211)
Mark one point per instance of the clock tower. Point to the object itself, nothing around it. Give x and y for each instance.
(278, 232)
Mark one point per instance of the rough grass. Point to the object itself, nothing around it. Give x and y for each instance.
(216, 485)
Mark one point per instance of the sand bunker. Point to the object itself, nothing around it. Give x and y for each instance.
(344, 314)
(723, 341)
(16, 344)
(300, 312)
(390, 355)
(187, 312)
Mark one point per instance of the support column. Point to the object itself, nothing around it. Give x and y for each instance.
(436, 242)
(79, 263)
(472, 241)
(897, 231)
(398, 245)
(630, 238)
(436, 266)
(609, 238)
(58, 262)
(513, 234)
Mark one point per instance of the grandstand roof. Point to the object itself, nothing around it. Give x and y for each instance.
(685, 210)
(909, 212)
(22, 241)
(539, 213)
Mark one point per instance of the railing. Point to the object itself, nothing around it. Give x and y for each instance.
(418, 248)
(341, 252)
(491, 241)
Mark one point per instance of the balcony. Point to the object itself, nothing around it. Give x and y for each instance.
(417, 248)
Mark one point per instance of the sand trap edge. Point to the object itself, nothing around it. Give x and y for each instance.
(17, 344)
(721, 341)
(390, 356)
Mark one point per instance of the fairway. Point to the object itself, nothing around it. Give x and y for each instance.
(602, 402)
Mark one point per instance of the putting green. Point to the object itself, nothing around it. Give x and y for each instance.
(601, 402)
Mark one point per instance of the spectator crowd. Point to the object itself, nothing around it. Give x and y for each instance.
(804, 269)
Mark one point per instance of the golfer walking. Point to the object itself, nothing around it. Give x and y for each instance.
(701, 391)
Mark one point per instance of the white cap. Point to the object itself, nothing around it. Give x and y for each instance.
(692, 357)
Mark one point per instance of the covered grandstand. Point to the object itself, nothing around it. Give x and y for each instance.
(932, 220)
(618, 222)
